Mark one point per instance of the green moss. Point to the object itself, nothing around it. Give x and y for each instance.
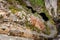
(36, 14)
(14, 9)
(47, 31)
(52, 21)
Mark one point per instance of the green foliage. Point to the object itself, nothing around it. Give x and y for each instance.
(37, 2)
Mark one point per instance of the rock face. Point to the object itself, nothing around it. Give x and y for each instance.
(5, 37)
(17, 22)
(51, 4)
(12, 23)
(10, 27)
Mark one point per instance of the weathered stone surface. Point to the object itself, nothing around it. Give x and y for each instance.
(17, 22)
(5, 37)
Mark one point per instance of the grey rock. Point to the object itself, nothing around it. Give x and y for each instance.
(5, 37)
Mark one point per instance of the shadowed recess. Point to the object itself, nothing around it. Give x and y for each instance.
(44, 16)
(33, 11)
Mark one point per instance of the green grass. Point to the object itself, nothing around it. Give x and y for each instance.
(37, 2)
